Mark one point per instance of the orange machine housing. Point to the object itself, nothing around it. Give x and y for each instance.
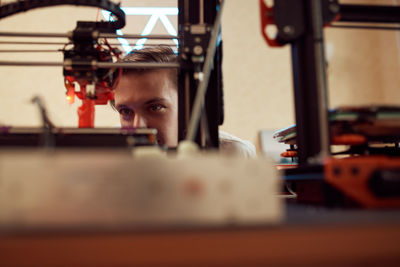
(361, 178)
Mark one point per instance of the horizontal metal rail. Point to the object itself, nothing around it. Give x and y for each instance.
(100, 35)
(93, 64)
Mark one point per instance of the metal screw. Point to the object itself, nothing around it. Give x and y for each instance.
(289, 29)
(197, 50)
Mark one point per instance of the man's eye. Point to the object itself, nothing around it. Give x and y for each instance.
(156, 108)
(125, 112)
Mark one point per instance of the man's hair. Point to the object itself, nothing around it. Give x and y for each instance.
(154, 54)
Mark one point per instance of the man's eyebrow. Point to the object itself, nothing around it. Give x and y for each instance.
(155, 99)
(150, 101)
(119, 106)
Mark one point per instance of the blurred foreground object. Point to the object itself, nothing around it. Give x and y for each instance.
(86, 189)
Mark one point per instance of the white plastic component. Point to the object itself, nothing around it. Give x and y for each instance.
(187, 147)
(112, 190)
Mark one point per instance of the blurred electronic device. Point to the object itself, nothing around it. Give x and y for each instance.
(364, 170)
(86, 189)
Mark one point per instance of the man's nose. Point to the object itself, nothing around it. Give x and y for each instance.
(139, 121)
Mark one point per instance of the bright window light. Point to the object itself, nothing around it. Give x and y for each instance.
(156, 14)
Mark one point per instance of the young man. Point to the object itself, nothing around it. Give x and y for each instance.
(149, 98)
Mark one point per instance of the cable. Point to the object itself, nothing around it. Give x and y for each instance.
(25, 5)
(48, 138)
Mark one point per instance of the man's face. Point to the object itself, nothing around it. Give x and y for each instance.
(149, 99)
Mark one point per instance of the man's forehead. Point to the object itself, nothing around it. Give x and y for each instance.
(134, 81)
(144, 87)
(148, 73)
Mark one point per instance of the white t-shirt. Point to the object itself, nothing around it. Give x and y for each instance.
(232, 145)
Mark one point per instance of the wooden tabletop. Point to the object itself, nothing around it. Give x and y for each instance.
(375, 244)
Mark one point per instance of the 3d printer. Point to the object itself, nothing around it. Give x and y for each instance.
(370, 176)
(91, 67)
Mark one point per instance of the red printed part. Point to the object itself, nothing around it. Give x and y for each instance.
(70, 91)
(349, 139)
(289, 154)
(86, 114)
(267, 18)
(103, 93)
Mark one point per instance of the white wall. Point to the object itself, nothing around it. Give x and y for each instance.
(257, 78)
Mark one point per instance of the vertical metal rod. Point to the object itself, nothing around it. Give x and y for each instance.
(202, 120)
(202, 88)
(187, 99)
(320, 71)
(310, 88)
(187, 14)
